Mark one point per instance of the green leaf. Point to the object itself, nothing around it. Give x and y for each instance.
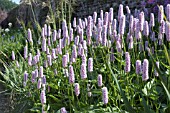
(144, 90)
(166, 54)
(147, 110)
(167, 92)
(165, 65)
(160, 74)
(35, 109)
(125, 100)
(55, 99)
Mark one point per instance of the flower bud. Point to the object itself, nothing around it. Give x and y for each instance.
(74, 22)
(99, 35)
(146, 29)
(146, 45)
(64, 24)
(131, 24)
(105, 95)
(138, 67)
(163, 27)
(141, 20)
(68, 57)
(122, 24)
(114, 24)
(71, 35)
(33, 77)
(45, 29)
(43, 86)
(30, 59)
(25, 78)
(128, 63)
(85, 45)
(49, 60)
(53, 54)
(63, 110)
(66, 73)
(34, 61)
(111, 15)
(131, 42)
(160, 14)
(84, 60)
(59, 34)
(29, 35)
(118, 46)
(49, 41)
(120, 12)
(65, 32)
(71, 75)
(74, 51)
(168, 12)
(145, 69)
(54, 35)
(44, 80)
(81, 35)
(41, 72)
(13, 55)
(43, 97)
(44, 44)
(99, 79)
(85, 20)
(105, 22)
(76, 40)
(48, 51)
(128, 10)
(77, 89)
(152, 20)
(83, 72)
(155, 72)
(64, 61)
(25, 51)
(80, 23)
(104, 39)
(89, 27)
(80, 48)
(49, 31)
(39, 83)
(59, 50)
(112, 57)
(167, 31)
(89, 94)
(101, 16)
(36, 73)
(90, 64)
(94, 17)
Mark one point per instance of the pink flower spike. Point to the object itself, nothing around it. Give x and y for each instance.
(145, 69)
(105, 95)
(77, 89)
(64, 61)
(71, 75)
(83, 72)
(99, 79)
(90, 64)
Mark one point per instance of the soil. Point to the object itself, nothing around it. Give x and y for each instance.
(4, 101)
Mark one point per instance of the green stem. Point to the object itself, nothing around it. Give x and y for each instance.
(125, 100)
